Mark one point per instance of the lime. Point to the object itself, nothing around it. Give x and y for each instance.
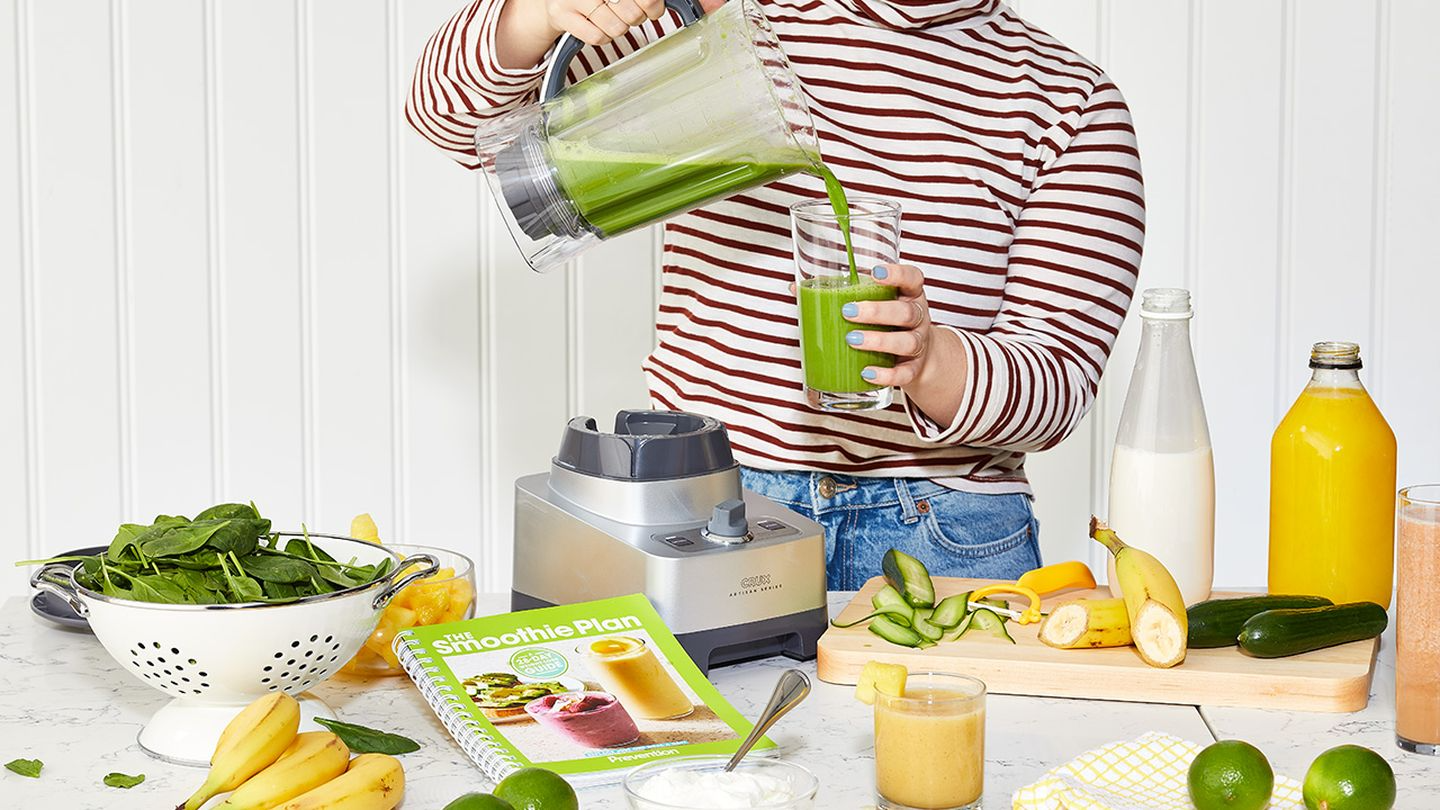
(479, 801)
(1349, 777)
(537, 789)
(1231, 775)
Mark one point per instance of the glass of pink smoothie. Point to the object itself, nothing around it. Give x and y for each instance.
(588, 719)
(1417, 620)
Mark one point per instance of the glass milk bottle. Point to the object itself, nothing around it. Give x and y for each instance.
(1162, 476)
(1332, 487)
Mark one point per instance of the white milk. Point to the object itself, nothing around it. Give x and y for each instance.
(1164, 503)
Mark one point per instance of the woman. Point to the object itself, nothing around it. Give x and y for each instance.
(1015, 164)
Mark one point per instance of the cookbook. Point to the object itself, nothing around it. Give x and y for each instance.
(587, 690)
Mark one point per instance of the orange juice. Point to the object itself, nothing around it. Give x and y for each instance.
(628, 669)
(1332, 488)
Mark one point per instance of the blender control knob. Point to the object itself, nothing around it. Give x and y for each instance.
(727, 524)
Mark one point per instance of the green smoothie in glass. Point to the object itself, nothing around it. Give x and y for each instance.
(831, 364)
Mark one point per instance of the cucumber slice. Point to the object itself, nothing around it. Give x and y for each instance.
(895, 616)
(897, 634)
(986, 621)
(909, 576)
(889, 600)
(951, 611)
(928, 629)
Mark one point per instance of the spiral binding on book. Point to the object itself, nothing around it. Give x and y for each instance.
(472, 736)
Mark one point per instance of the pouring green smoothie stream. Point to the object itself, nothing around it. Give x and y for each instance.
(618, 192)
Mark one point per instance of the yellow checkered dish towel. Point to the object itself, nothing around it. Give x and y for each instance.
(1148, 773)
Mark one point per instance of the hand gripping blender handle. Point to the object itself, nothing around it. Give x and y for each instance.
(689, 11)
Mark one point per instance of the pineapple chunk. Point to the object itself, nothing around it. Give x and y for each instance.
(887, 679)
(362, 527)
(428, 601)
(461, 597)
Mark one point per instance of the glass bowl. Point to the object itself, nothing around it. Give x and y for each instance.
(448, 595)
(803, 784)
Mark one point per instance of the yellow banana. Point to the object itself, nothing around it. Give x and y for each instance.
(1087, 623)
(312, 759)
(257, 736)
(372, 782)
(1157, 610)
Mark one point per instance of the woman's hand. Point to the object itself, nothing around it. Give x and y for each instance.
(529, 27)
(930, 363)
(597, 22)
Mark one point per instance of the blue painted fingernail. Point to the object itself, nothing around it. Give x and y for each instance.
(854, 338)
(850, 310)
(868, 374)
(880, 271)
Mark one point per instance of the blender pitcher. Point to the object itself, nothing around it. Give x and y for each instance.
(703, 113)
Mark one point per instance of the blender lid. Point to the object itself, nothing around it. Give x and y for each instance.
(646, 446)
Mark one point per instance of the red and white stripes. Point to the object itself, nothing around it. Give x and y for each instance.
(1016, 168)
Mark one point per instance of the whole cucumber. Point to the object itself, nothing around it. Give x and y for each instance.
(1278, 633)
(1217, 622)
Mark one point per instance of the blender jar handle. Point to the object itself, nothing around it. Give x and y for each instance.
(689, 11)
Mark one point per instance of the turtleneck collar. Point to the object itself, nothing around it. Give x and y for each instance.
(916, 13)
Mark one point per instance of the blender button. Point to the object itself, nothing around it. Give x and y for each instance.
(679, 540)
(770, 525)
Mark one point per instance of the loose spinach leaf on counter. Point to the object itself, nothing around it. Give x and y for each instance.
(227, 554)
(25, 767)
(362, 740)
(123, 780)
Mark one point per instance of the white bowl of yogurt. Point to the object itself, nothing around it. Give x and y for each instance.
(701, 783)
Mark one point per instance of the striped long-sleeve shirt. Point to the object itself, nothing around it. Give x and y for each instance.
(1015, 164)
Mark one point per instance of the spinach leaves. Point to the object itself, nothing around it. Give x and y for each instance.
(25, 767)
(362, 740)
(226, 555)
(123, 780)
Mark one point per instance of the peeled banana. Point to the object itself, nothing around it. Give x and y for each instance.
(372, 782)
(312, 759)
(258, 735)
(1152, 599)
(1087, 623)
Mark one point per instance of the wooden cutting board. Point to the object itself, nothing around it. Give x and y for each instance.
(1331, 680)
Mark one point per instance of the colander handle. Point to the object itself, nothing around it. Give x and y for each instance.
(56, 578)
(430, 566)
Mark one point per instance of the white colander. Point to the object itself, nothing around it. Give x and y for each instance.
(214, 659)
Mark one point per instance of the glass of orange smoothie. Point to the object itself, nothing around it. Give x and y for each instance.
(1417, 621)
(930, 744)
(630, 670)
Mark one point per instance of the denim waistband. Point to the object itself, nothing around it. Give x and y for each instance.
(823, 492)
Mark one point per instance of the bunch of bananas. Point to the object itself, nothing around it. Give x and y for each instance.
(270, 767)
(1151, 616)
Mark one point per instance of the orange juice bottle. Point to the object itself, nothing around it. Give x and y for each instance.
(1332, 487)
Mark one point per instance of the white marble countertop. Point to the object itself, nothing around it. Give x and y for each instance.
(63, 700)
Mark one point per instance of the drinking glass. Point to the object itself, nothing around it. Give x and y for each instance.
(629, 669)
(1417, 620)
(823, 286)
(930, 744)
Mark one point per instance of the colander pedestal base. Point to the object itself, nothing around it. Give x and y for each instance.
(184, 731)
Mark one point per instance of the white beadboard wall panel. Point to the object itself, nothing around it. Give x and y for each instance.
(614, 324)
(1406, 251)
(1237, 239)
(71, 118)
(14, 390)
(441, 493)
(348, 107)
(229, 270)
(1063, 480)
(264, 370)
(165, 337)
(1327, 285)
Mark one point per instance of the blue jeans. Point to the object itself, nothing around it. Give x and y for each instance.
(956, 534)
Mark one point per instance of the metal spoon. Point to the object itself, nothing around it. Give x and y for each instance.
(792, 688)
